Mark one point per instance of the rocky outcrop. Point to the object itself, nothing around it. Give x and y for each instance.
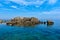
(25, 21)
(1, 21)
(49, 23)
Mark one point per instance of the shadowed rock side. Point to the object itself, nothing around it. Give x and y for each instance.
(49, 23)
(25, 21)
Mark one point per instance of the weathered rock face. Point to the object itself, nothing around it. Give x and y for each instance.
(24, 21)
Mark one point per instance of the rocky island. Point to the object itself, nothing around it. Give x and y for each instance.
(25, 21)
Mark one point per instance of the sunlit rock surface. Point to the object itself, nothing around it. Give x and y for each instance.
(1, 21)
(25, 21)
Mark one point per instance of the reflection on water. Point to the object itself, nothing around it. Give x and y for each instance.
(38, 32)
(50, 23)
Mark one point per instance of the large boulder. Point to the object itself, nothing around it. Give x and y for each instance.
(27, 23)
(16, 19)
(26, 19)
(35, 20)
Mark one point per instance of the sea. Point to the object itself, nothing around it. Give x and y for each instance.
(37, 32)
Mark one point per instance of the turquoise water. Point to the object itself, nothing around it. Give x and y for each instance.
(38, 32)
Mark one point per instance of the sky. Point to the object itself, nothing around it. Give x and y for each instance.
(36, 8)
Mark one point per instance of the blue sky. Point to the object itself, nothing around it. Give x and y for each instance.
(37, 8)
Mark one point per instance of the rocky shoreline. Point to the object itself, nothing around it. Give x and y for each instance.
(25, 21)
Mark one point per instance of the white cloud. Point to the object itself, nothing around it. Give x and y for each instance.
(52, 1)
(53, 12)
(37, 2)
(14, 7)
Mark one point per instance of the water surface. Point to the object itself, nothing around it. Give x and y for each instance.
(38, 32)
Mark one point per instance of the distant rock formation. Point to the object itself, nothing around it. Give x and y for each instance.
(1, 21)
(49, 23)
(23, 21)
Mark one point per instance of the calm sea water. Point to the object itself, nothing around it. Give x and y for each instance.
(38, 32)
